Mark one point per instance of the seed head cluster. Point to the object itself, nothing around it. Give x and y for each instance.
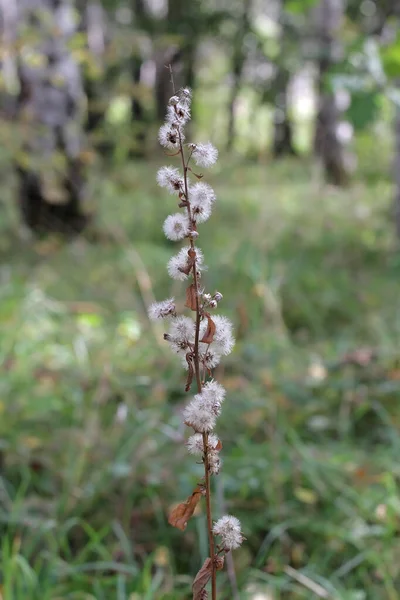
(229, 529)
(202, 340)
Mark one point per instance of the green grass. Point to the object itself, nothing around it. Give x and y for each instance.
(90, 432)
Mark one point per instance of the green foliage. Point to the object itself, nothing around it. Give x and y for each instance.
(364, 109)
(299, 6)
(90, 430)
(390, 55)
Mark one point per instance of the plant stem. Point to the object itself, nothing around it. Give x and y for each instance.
(209, 518)
(207, 482)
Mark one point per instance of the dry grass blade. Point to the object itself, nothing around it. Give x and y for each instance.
(308, 583)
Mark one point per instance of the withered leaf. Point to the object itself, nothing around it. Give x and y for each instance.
(181, 514)
(190, 372)
(201, 580)
(198, 175)
(190, 262)
(210, 331)
(218, 447)
(191, 297)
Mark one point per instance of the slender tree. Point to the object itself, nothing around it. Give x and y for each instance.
(328, 146)
(93, 23)
(283, 131)
(238, 61)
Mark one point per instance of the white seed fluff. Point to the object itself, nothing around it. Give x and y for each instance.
(205, 407)
(214, 392)
(178, 114)
(208, 357)
(202, 192)
(229, 528)
(204, 155)
(176, 227)
(178, 264)
(214, 462)
(200, 415)
(181, 334)
(163, 309)
(185, 95)
(168, 136)
(170, 178)
(202, 197)
(195, 443)
(223, 341)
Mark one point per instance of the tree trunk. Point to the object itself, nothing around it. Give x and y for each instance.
(238, 60)
(327, 144)
(136, 62)
(283, 133)
(95, 29)
(49, 169)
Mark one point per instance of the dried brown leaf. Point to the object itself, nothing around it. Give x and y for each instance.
(210, 331)
(190, 372)
(190, 262)
(191, 297)
(181, 514)
(201, 580)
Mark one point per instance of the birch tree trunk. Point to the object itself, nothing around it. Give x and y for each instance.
(329, 15)
(49, 104)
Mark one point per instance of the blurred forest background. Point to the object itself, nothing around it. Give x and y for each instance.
(302, 98)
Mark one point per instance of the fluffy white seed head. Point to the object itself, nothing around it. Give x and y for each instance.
(170, 178)
(173, 100)
(214, 392)
(179, 114)
(178, 265)
(223, 338)
(202, 197)
(200, 415)
(223, 341)
(168, 136)
(195, 443)
(214, 463)
(163, 309)
(176, 227)
(229, 529)
(185, 96)
(202, 412)
(204, 155)
(208, 357)
(181, 334)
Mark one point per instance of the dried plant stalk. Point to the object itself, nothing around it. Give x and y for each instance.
(200, 342)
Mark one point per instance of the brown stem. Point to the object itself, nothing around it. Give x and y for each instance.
(209, 517)
(199, 386)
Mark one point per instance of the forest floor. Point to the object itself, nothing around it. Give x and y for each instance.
(91, 439)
